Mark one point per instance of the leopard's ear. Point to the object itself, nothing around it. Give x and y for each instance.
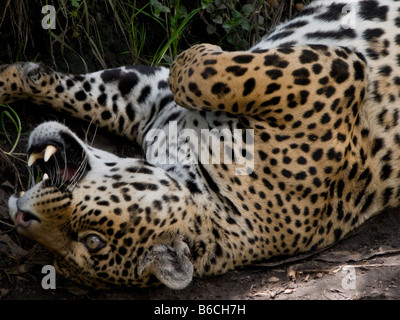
(170, 264)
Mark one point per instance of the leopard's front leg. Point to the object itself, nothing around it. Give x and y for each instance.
(122, 100)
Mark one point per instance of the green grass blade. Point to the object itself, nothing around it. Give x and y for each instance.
(14, 118)
(174, 37)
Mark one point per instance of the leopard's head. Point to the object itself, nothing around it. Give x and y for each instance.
(109, 221)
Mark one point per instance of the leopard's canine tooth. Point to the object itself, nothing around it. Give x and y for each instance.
(45, 155)
(33, 157)
(49, 151)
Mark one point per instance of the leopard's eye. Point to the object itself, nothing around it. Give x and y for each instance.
(93, 242)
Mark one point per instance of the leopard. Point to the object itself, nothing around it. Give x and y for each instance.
(305, 147)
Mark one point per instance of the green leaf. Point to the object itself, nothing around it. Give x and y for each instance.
(182, 12)
(236, 14)
(228, 26)
(245, 25)
(242, 44)
(205, 4)
(231, 38)
(158, 7)
(247, 9)
(210, 8)
(220, 4)
(218, 20)
(75, 3)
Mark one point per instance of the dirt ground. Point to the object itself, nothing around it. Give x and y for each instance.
(365, 265)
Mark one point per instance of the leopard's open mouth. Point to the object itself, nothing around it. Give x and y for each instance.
(58, 162)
